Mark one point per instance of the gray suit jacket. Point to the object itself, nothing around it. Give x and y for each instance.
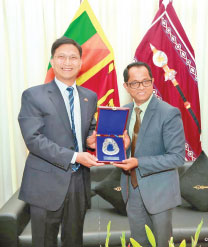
(160, 149)
(47, 133)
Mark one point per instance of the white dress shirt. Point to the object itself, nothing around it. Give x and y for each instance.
(77, 112)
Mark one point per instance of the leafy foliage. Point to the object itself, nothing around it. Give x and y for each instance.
(123, 240)
(151, 238)
(108, 234)
(198, 230)
(183, 243)
(134, 243)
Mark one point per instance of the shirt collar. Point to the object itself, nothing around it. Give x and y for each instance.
(143, 107)
(62, 86)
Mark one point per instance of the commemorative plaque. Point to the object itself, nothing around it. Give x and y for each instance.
(111, 124)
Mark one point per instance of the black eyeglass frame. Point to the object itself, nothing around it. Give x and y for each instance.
(138, 83)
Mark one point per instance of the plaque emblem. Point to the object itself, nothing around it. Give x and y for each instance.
(110, 147)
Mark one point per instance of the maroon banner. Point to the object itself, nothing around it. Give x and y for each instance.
(167, 50)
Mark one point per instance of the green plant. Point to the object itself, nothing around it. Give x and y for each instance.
(108, 234)
(196, 237)
(151, 238)
(123, 240)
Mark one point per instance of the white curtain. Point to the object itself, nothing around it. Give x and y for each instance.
(27, 31)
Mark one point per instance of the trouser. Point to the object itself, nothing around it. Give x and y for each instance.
(160, 224)
(70, 216)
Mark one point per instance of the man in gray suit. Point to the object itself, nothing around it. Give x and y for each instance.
(150, 181)
(55, 121)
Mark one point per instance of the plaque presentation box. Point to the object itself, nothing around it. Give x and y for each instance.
(111, 124)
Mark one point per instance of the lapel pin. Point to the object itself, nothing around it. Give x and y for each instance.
(86, 99)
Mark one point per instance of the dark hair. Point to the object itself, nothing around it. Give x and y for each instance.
(135, 64)
(64, 40)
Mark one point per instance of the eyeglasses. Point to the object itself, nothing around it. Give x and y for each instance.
(136, 84)
(62, 58)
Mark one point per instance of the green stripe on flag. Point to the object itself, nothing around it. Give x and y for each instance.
(49, 66)
(81, 29)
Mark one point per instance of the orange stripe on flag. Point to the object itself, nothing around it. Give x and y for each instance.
(49, 76)
(94, 50)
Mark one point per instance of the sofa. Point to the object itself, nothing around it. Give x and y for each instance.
(15, 228)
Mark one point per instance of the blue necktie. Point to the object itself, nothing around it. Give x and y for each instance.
(76, 166)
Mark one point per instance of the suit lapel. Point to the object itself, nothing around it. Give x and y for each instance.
(84, 103)
(58, 101)
(150, 111)
(130, 106)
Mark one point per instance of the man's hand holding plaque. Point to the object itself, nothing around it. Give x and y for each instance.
(91, 140)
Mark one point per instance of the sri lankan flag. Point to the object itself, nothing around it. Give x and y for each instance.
(98, 68)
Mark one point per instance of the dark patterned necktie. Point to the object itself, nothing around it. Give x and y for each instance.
(133, 145)
(75, 166)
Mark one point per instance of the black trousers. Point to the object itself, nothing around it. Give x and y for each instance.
(45, 224)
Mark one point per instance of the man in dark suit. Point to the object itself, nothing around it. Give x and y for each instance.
(55, 121)
(150, 182)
